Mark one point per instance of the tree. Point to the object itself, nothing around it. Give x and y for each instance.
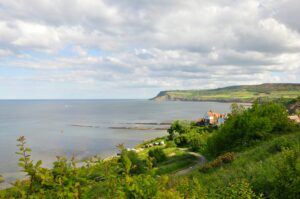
(237, 109)
(157, 154)
(1, 179)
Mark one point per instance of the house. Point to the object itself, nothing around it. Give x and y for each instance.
(295, 118)
(200, 121)
(214, 118)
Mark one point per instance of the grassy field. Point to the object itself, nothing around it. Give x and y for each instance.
(234, 93)
(177, 158)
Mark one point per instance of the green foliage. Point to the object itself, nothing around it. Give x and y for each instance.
(141, 186)
(181, 140)
(188, 134)
(168, 194)
(188, 187)
(132, 163)
(287, 180)
(237, 109)
(175, 163)
(158, 155)
(280, 144)
(170, 144)
(240, 190)
(113, 181)
(248, 127)
(219, 161)
(177, 128)
(65, 180)
(1, 179)
(197, 142)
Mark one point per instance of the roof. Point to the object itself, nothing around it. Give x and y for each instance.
(214, 114)
(201, 119)
(295, 118)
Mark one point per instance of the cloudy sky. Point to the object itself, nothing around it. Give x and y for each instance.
(135, 48)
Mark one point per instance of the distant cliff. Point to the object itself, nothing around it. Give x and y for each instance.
(243, 93)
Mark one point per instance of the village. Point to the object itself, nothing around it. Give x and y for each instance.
(212, 118)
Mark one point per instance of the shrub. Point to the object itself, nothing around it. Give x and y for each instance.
(168, 194)
(188, 187)
(181, 140)
(178, 128)
(196, 142)
(140, 186)
(279, 144)
(1, 179)
(287, 180)
(170, 144)
(247, 127)
(64, 180)
(219, 161)
(131, 163)
(241, 190)
(158, 155)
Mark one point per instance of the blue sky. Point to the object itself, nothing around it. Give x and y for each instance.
(136, 48)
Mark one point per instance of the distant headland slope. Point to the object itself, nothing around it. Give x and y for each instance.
(242, 93)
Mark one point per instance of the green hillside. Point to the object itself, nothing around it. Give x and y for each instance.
(247, 93)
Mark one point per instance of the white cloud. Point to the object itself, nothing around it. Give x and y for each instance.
(161, 44)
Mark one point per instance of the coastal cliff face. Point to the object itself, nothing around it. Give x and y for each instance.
(233, 93)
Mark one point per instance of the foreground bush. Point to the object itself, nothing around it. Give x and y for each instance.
(132, 163)
(287, 178)
(219, 161)
(188, 187)
(64, 180)
(241, 190)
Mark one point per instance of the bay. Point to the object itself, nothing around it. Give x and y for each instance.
(86, 127)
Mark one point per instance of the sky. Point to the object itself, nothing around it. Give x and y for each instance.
(82, 49)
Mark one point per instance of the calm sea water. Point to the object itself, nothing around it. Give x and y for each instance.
(50, 126)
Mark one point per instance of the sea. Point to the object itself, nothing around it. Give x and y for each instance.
(83, 128)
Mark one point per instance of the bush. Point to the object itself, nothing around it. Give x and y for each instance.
(178, 128)
(140, 186)
(158, 155)
(189, 187)
(245, 128)
(219, 161)
(181, 140)
(287, 177)
(280, 144)
(1, 179)
(196, 142)
(241, 190)
(170, 144)
(64, 180)
(132, 164)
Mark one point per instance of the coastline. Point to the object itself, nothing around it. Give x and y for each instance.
(247, 102)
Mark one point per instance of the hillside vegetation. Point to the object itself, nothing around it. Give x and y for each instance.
(255, 154)
(233, 93)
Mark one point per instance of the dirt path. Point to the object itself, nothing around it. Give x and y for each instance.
(200, 160)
